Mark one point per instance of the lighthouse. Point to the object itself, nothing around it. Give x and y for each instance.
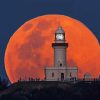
(60, 47)
(60, 71)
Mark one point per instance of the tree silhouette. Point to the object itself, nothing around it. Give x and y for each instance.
(3, 84)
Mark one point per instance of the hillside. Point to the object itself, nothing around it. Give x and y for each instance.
(52, 91)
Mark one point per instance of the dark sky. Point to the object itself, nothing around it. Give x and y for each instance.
(13, 13)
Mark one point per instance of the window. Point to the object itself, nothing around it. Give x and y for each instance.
(52, 74)
(60, 64)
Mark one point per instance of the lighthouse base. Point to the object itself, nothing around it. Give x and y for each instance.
(61, 73)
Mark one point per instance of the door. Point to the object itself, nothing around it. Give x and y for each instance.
(62, 76)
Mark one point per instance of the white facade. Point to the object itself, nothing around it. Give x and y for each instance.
(60, 71)
(87, 77)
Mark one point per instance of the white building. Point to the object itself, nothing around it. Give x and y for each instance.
(87, 77)
(60, 71)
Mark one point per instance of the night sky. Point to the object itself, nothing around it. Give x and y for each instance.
(14, 13)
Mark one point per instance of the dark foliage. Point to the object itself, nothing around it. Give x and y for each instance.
(3, 84)
(79, 91)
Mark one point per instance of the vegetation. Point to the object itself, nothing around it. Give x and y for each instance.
(79, 91)
(3, 84)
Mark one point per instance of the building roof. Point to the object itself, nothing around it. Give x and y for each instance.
(61, 68)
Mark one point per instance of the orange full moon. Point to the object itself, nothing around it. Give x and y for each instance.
(29, 49)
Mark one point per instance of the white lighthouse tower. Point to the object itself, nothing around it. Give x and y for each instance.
(60, 46)
(60, 71)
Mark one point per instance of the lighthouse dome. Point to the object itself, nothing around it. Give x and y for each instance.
(60, 30)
